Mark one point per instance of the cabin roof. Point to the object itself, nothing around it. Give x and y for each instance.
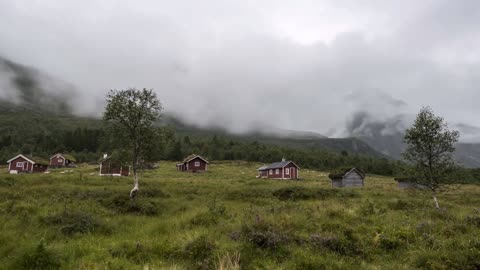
(192, 157)
(264, 167)
(33, 160)
(278, 165)
(340, 173)
(66, 156)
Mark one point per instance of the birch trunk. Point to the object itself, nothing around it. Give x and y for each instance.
(436, 201)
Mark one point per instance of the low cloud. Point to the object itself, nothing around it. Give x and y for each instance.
(271, 64)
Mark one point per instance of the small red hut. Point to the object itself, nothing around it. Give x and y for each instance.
(279, 170)
(111, 167)
(22, 164)
(193, 163)
(62, 160)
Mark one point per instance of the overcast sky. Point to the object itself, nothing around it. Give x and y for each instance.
(299, 64)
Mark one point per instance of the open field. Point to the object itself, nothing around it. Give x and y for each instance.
(227, 219)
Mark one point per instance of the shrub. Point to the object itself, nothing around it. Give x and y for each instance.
(135, 252)
(39, 257)
(200, 252)
(387, 241)
(71, 223)
(265, 235)
(302, 193)
(123, 204)
(401, 205)
(345, 245)
(474, 219)
(7, 182)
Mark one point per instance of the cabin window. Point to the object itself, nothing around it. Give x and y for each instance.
(287, 171)
(20, 164)
(60, 160)
(197, 163)
(277, 171)
(270, 171)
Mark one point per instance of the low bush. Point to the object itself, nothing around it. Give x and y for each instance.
(401, 205)
(201, 252)
(71, 223)
(133, 251)
(265, 235)
(345, 245)
(38, 257)
(302, 193)
(474, 219)
(124, 205)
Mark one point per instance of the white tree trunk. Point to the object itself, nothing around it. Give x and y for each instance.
(134, 191)
(436, 201)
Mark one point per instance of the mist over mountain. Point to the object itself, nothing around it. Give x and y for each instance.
(386, 136)
(26, 88)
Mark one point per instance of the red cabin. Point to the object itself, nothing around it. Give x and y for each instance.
(22, 164)
(62, 160)
(110, 167)
(193, 163)
(279, 170)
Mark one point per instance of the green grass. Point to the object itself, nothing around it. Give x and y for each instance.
(228, 219)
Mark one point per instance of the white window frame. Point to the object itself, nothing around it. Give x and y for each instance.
(287, 171)
(270, 171)
(277, 171)
(197, 164)
(19, 164)
(60, 160)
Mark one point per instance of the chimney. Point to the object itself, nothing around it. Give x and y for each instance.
(283, 159)
(105, 156)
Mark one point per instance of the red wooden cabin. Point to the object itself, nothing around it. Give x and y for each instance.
(23, 164)
(193, 163)
(111, 167)
(62, 160)
(279, 170)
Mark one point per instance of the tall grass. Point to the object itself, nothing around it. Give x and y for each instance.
(228, 219)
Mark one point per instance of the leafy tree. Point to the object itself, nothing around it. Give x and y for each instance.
(430, 145)
(129, 118)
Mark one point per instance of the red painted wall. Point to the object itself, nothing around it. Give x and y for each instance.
(109, 168)
(13, 165)
(293, 174)
(57, 161)
(192, 168)
(37, 168)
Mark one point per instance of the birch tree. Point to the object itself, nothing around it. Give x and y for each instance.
(129, 119)
(430, 145)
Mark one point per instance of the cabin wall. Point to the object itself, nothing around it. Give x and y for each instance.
(353, 179)
(293, 171)
(38, 168)
(274, 174)
(191, 165)
(337, 183)
(108, 168)
(57, 161)
(20, 169)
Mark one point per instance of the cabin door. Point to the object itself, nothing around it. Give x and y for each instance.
(293, 173)
(25, 166)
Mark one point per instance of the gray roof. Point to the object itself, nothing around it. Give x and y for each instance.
(262, 168)
(278, 165)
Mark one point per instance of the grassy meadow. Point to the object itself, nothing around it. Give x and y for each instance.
(228, 219)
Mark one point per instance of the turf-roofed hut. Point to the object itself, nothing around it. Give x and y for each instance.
(62, 160)
(350, 177)
(193, 163)
(110, 166)
(286, 169)
(23, 164)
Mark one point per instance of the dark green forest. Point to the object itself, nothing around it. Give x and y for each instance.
(43, 135)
